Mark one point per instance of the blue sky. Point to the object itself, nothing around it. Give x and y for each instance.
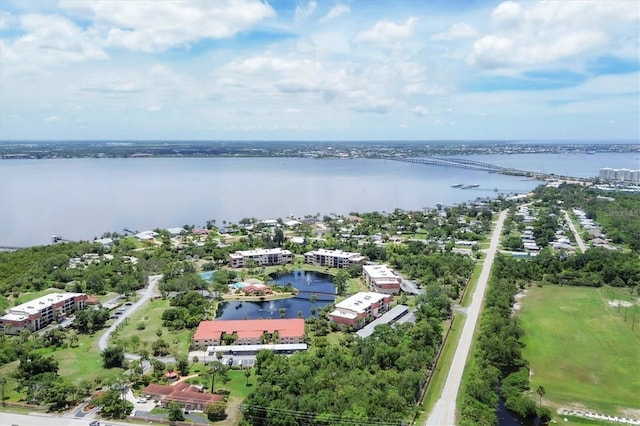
(319, 70)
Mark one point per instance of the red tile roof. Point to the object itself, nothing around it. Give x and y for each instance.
(181, 392)
(292, 327)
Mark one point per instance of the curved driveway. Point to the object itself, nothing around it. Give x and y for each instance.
(444, 412)
(145, 295)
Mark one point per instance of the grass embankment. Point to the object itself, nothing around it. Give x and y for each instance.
(581, 349)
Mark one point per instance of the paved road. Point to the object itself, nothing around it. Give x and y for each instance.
(38, 419)
(444, 412)
(145, 295)
(581, 243)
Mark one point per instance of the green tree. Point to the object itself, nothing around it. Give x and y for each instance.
(113, 406)
(216, 411)
(113, 356)
(340, 281)
(182, 364)
(216, 369)
(175, 412)
(540, 391)
(247, 374)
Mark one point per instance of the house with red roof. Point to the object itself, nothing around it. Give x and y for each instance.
(188, 396)
(249, 332)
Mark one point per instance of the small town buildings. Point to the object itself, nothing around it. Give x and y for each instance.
(262, 257)
(249, 332)
(358, 309)
(188, 396)
(146, 235)
(39, 312)
(381, 279)
(333, 258)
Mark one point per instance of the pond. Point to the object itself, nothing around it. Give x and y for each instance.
(307, 283)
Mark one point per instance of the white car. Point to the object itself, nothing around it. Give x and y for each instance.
(142, 400)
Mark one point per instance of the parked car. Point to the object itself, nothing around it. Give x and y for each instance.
(142, 400)
(94, 423)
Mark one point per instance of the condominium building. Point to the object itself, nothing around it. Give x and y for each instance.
(381, 279)
(39, 312)
(333, 258)
(624, 175)
(249, 332)
(262, 257)
(359, 308)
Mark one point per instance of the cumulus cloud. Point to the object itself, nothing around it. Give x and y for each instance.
(336, 11)
(51, 40)
(152, 26)
(539, 33)
(387, 32)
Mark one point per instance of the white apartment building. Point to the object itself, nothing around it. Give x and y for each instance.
(381, 279)
(333, 258)
(262, 257)
(624, 175)
(39, 312)
(356, 310)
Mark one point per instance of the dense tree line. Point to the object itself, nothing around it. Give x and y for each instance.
(373, 378)
(594, 268)
(497, 364)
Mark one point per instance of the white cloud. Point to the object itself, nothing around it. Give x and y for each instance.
(387, 32)
(302, 13)
(152, 26)
(457, 31)
(538, 33)
(51, 119)
(51, 40)
(335, 12)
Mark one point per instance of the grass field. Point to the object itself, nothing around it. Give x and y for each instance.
(581, 349)
(151, 315)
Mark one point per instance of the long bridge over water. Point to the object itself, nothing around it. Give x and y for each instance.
(464, 163)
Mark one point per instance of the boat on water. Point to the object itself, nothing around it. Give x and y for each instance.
(457, 185)
(474, 185)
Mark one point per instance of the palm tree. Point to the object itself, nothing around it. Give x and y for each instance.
(540, 392)
(215, 369)
(247, 374)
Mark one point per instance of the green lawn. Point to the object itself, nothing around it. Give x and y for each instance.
(581, 349)
(151, 315)
(83, 362)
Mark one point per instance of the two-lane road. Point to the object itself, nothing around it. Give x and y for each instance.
(444, 412)
(145, 295)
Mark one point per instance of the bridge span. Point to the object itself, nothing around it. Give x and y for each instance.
(464, 163)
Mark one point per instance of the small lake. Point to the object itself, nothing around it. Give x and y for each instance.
(308, 283)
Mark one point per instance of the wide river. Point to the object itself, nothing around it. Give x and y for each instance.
(82, 198)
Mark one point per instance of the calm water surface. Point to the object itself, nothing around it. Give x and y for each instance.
(82, 198)
(307, 282)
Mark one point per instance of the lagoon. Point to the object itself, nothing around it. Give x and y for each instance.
(307, 283)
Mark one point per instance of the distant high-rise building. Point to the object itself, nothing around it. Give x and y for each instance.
(622, 175)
